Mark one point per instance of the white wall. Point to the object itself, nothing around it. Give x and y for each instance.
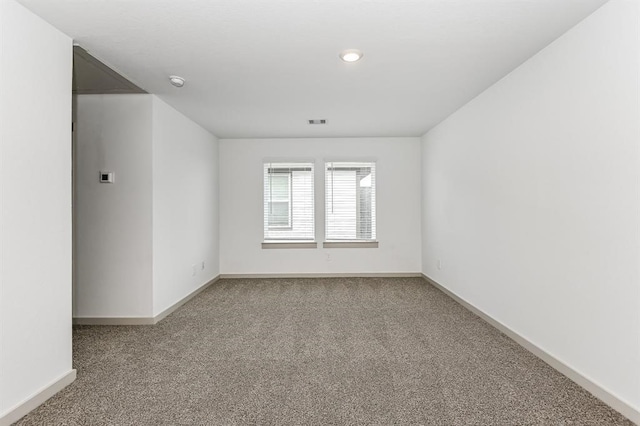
(113, 233)
(530, 200)
(35, 159)
(138, 239)
(398, 206)
(185, 206)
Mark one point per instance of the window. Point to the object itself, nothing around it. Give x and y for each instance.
(350, 201)
(288, 201)
(279, 199)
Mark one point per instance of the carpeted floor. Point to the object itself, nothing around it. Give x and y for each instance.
(315, 352)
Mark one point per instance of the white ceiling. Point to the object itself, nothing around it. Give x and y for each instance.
(257, 68)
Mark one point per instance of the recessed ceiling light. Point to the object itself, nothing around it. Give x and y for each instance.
(176, 81)
(351, 55)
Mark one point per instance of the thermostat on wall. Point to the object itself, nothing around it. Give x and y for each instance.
(106, 177)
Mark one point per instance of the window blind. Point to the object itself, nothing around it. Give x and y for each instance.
(350, 201)
(288, 201)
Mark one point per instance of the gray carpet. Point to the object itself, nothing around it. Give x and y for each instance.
(315, 351)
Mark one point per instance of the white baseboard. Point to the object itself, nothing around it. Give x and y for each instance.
(23, 408)
(592, 387)
(162, 315)
(144, 320)
(114, 321)
(327, 275)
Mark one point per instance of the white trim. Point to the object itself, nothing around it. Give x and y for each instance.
(23, 408)
(327, 275)
(349, 159)
(144, 320)
(162, 315)
(350, 244)
(113, 321)
(289, 245)
(606, 396)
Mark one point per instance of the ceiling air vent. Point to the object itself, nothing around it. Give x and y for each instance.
(318, 121)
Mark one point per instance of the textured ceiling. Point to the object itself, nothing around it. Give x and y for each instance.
(91, 77)
(258, 68)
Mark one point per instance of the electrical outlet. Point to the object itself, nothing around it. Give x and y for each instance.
(202, 266)
(193, 270)
(328, 258)
(439, 263)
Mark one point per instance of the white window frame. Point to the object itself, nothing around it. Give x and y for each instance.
(291, 243)
(350, 243)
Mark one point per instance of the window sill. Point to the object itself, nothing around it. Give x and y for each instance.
(289, 245)
(350, 244)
